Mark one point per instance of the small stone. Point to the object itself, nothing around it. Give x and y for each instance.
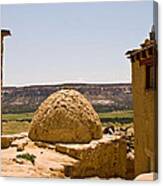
(20, 147)
(6, 141)
(20, 144)
(44, 145)
(19, 161)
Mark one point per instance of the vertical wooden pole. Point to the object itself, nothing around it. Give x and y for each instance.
(4, 33)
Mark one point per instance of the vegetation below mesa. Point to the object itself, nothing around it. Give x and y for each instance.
(14, 127)
(125, 116)
(17, 123)
(17, 117)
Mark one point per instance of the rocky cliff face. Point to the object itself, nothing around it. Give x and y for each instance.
(103, 97)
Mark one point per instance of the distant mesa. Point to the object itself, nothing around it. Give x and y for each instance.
(103, 97)
(65, 116)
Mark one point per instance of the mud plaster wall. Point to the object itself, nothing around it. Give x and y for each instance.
(106, 159)
(144, 121)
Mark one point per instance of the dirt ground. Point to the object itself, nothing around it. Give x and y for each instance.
(48, 162)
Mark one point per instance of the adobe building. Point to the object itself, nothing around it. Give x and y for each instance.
(144, 88)
(4, 33)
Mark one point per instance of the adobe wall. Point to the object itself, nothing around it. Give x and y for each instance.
(144, 120)
(105, 158)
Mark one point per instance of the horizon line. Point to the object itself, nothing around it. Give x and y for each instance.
(66, 83)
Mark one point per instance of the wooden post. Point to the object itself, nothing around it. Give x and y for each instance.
(4, 33)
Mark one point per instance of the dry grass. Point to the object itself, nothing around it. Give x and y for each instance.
(14, 127)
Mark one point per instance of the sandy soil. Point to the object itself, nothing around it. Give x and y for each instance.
(48, 162)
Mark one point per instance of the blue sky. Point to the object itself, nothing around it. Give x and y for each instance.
(72, 42)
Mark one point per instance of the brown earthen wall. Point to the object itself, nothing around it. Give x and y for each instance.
(144, 120)
(106, 160)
